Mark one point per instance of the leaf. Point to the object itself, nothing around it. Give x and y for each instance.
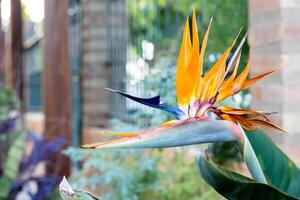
(279, 170)
(185, 132)
(8, 125)
(12, 163)
(252, 161)
(235, 186)
(153, 102)
(67, 192)
(42, 150)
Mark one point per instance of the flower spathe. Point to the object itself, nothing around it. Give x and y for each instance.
(198, 92)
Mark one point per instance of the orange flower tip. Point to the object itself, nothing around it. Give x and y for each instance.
(279, 129)
(194, 12)
(187, 20)
(273, 72)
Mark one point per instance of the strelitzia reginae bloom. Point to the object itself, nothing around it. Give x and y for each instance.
(197, 94)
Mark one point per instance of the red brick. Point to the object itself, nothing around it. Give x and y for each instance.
(258, 6)
(291, 31)
(255, 37)
(291, 93)
(273, 33)
(264, 63)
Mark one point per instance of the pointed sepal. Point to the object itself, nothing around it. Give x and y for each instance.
(186, 132)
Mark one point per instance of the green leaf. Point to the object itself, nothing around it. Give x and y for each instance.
(279, 170)
(235, 186)
(12, 163)
(252, 161)
(186, 132)
(67, 193)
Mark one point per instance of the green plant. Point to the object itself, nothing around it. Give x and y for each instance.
(12, 163)
(116, 169)
(181, 168)
(283, 176)
(143, 178)
(158, 22)
(8, 102)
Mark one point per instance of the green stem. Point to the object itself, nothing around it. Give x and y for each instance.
(252, 161)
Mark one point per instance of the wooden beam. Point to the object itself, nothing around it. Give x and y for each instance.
(2, 66)
(57, 92)
(15, 72)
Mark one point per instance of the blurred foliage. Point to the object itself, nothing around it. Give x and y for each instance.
(119, 174)
(18, 168)
(181, 169)
(8, 102)
(161, 22)
(133, 175)
(12, 163)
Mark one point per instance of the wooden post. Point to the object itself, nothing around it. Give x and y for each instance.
(57, 93)
(15, 74)
(2, 68)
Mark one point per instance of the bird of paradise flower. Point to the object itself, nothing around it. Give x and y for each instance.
(197, 95)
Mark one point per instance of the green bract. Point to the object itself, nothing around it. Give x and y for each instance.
(283, 176)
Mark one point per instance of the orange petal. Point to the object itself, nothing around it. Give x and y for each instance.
(198, 86)
(203, 47)
(237, 111)
(119, 134)
(183, 62)
(229, 81)
(193, 71)
(236, 86)
(265, 123)
(195, 33)
(233, 60)
(213, 77)
(216, 75)
(242, 117)
(251, 81)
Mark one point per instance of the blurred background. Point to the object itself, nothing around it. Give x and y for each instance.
(57, 56)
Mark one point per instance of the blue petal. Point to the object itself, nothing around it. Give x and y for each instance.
(153, 102)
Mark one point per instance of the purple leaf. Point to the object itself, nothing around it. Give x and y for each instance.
(8, 125)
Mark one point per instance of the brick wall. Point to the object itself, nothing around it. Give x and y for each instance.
(274, 37)
(95, 70)
(104, 59)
